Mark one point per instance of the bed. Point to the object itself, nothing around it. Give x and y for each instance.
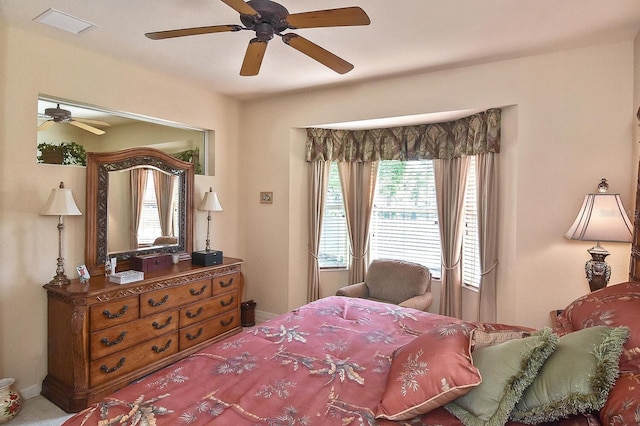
(346, 361)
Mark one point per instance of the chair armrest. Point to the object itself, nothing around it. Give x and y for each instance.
(354, 290)
(421, 302)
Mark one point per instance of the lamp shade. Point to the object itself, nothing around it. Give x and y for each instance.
(210, 202)
(601, 218)
(60, 203)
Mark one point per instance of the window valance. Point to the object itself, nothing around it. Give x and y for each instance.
(475, 134)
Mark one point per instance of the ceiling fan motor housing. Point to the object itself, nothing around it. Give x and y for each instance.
(58, 114)
(272, 19)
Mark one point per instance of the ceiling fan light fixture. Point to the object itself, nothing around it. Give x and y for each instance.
(264, 31)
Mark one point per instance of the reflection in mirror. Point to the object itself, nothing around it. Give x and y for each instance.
(67, 129)
(139, 201)
(147, 197)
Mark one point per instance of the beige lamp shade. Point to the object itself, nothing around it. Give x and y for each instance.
(60, 203)
(210, 202)
(601, 218)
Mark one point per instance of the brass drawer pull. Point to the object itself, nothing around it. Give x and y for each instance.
(223, 284)
(194, 337)
(109, 315)
(161, 326)
(106, 341)
(159, 350)
(192, 315)
(229, 303)
(160, 303)
(108, 370)
(198, 293)
(224, 324)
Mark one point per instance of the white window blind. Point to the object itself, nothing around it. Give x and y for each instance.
(404, 223)
(149, 228)
(470, 247)
(334, 240)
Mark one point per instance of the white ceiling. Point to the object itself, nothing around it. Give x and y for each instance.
(405, 36)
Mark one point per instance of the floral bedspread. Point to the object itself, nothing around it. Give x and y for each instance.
(325, 363)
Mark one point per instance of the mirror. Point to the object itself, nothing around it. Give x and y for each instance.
(67, 130)
(115, 181)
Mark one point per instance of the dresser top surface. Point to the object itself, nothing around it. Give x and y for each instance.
(98, 285)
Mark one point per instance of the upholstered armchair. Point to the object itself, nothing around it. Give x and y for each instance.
(399, 282)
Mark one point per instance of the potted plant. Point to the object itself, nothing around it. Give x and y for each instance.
(63, 153)
(50, 153)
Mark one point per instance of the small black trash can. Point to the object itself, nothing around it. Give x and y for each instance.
(248, 315)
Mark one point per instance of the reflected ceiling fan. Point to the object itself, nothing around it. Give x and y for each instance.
(268, 18)
(59, 115)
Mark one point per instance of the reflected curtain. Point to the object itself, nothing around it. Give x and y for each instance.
(164, 188)
(487, 201)
(451, 177)
(358, 180)
(318, 183)
(138, 186)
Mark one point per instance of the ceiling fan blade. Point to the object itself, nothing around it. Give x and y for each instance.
(346, 16)
(253, 57)
(159, 35)
(316, 52)
(86, 127)
(93, 122)
(45, 125)
(241, 7)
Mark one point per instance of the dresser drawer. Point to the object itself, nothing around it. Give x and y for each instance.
(206, 309)
(168, 298)
(114, 339)
(120, 363)
(208, 329)
(226, 283)
(108, 314)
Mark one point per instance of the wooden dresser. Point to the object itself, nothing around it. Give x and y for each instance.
(102, 336)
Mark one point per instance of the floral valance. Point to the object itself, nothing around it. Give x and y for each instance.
(475, 134)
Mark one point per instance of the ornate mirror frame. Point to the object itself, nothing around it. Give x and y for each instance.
(99, 164)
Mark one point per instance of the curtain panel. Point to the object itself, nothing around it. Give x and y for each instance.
(476, 134)
(358, 182)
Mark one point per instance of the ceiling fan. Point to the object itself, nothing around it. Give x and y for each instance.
(59, 115)
(268, 18)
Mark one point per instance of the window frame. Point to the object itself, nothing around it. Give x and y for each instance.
(469, 197)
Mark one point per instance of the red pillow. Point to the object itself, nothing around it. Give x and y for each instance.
(614, 306)
(433, 369)
(623, 404)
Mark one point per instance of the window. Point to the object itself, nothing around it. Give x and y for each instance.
(470, 245)
(334, 241)
(149, 228)
(404, 220)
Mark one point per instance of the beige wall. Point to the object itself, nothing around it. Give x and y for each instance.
(30, 65)
(567, 122)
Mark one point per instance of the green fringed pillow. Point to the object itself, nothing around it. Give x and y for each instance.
(507, 369)
(577, 378)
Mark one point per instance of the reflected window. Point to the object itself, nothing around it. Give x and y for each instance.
(150, 231)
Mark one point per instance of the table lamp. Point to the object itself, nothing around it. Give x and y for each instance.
(601, 218)
(61, 204)
(207, 257)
